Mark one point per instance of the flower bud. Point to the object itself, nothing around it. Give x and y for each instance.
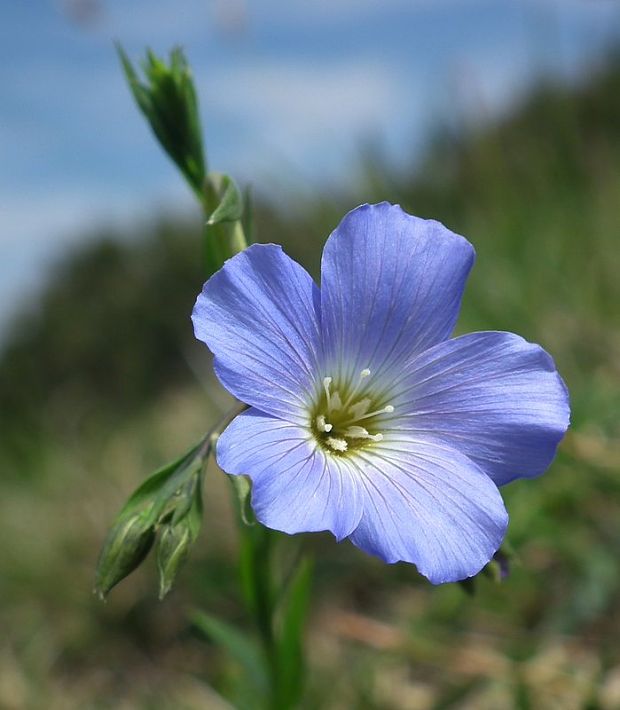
(127, 544)
(172, 549)
(167, 98)
(499, 567)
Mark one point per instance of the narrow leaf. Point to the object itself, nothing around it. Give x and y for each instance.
(227, 198)
(243, 649)
(290, 645)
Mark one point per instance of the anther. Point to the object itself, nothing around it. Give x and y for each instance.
(337, 444)
(356, 432)
(321, 424)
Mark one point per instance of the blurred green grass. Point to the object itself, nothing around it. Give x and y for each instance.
(103, 382)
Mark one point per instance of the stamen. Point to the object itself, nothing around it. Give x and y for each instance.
(333, 399)
(337, 444)
(326, 383)
(321, 424)
(363, 375)
(388, 409)
(351, 414)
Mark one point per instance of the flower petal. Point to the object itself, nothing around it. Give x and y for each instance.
(391, 285)
(257, 315)
(428, 504)
(492, 395)
(296, 486)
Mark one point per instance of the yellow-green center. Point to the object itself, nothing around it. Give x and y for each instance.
(348, 418)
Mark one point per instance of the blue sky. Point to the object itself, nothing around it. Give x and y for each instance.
(288, 88)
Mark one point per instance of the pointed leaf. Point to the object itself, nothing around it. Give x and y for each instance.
(229, 200)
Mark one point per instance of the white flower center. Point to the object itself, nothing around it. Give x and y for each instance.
(340, 411)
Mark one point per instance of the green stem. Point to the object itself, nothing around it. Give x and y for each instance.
(256, 579)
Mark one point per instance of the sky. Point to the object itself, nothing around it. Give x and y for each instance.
(289, 90)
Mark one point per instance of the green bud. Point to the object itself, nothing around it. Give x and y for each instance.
(169, 497)
(178, 535)
(242, 487)
(127, 544)
(167, 98)
(172, 550)
(498, 568)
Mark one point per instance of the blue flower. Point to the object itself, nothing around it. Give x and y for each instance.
(366, 419)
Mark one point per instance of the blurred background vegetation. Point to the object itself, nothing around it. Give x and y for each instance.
(102, 381)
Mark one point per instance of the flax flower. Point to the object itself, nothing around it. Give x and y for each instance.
(365, 417)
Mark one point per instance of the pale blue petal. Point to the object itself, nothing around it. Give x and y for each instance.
(428, 504)
(391, 285)
(257, 315)
(494, 396)
(296, 486)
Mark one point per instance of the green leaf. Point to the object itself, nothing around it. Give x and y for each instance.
(224, 236)
(227, 197)
(243, 649)
(290, 644)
